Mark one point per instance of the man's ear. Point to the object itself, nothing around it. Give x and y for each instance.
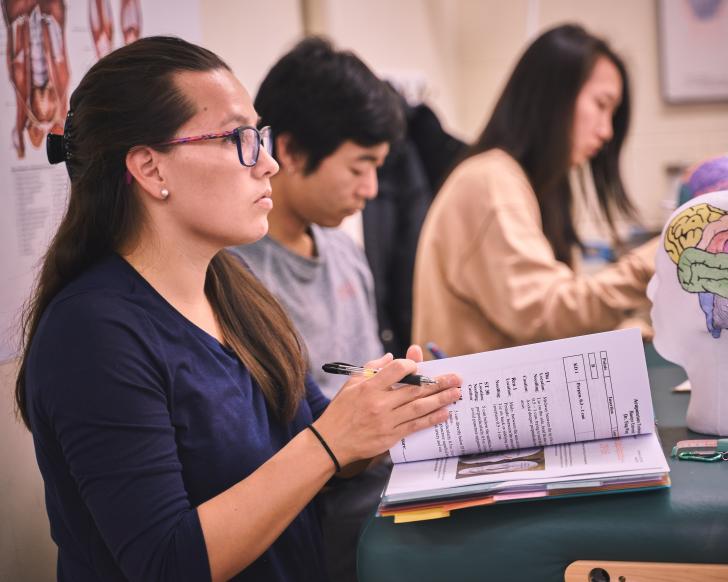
(143, 163)
(290, 159)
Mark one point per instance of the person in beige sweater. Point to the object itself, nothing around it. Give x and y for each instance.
(497, 261)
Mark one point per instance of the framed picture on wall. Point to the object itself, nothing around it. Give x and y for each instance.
(693, 37)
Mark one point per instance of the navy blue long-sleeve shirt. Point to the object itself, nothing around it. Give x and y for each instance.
(138, 417)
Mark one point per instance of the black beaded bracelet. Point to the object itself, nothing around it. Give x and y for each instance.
(325, 446)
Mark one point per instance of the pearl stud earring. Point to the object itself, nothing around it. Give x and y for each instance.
(164, 193)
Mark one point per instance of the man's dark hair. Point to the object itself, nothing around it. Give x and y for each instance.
(322, 97)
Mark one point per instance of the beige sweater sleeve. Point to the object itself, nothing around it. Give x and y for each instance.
(509, 270)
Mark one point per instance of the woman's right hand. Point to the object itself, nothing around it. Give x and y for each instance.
(369, 415)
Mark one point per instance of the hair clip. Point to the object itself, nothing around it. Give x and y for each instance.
(58, 147)
(55, 149)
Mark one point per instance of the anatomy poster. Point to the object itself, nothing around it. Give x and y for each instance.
(47, 47)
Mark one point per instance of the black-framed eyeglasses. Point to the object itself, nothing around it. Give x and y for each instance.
(247, 138)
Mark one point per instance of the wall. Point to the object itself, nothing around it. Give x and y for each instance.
(462, 52)
(492, 37)
(250, 36)
(406, 40)
(26, 551)
(465, 51)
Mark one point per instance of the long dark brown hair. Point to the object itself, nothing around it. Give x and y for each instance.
(533, 119)
(126, 99)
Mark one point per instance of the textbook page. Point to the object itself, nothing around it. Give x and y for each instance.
(570, 390)
(535, 468)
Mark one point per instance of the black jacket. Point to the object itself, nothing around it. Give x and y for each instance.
(408, 181)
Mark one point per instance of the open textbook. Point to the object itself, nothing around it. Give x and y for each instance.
(571, 416)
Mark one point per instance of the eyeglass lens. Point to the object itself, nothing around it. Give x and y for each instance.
(250, 142)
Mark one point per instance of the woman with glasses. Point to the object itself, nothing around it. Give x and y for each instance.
(498, 257)
(174, 426)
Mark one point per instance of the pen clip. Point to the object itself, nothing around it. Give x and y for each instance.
(338, 367)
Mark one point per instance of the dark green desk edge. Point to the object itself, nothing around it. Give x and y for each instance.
(538, 540)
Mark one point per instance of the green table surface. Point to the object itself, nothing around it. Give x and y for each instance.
(536, 540)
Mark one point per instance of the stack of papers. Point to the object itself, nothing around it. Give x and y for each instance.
(567, 417)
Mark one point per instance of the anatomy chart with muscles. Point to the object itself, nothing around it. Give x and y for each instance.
(48, 45)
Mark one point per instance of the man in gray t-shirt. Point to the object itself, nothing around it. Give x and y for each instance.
(329, 297)
(333, 121)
